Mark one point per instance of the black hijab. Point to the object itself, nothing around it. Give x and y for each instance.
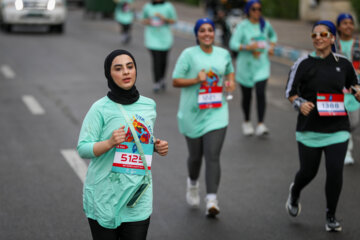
(154, 2)
(116, 93)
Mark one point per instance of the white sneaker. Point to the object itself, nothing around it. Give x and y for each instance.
(349, 160)
(248, 129)
(192, 194)
(261, 129)
(212, 207)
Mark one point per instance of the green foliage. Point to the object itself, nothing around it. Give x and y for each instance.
(356, 6)
(191, 2)
(288, 9)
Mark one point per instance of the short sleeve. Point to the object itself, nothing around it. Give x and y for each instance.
(351, 76)
(271, 33)
(182, 66)
(172, 12)
(90, 133)
(229, 66)
(145, 12)
(236, 38)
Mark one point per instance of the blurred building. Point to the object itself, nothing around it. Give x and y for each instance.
(314, 10)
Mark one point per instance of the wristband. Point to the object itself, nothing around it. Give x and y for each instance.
(297, 103)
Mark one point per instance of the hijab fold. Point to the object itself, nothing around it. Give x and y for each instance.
(116, 93)
(247, 10)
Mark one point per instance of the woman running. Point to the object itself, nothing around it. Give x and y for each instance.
(200, 72)
(157, 17)
(117, 193)
(315, 89)
(254, 39)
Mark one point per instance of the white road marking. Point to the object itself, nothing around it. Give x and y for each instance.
(33, 105)
(76, 162)
(7, 71)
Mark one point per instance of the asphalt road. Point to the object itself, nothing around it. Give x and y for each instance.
(60, 76)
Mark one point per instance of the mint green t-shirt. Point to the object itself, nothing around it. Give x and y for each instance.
(105, 192)
(158, 35)
(249, 69)
(346, 48)
(193, 121)
(315, 139)
(123, 12)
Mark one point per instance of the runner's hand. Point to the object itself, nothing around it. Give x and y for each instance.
(306, 108)
(117, 137)
(357, 94)
(229, 86)
(252, 47)
(161, 147)
(160, 16)
(201, 77)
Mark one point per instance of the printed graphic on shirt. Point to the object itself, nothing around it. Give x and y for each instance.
(127, 158)
(156, 21)
(210, 94)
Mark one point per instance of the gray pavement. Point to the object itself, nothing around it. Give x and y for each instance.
(292, 34)
(41, 195)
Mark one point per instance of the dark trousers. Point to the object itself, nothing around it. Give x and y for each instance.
(159, 62)
(125, 28)
(210, 146)
(260, 88)
(126, 231)
(309, 164)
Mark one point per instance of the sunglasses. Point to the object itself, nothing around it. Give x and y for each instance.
(255, 9)
(320, 34)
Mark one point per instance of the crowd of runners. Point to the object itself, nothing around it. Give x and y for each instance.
(117, 132)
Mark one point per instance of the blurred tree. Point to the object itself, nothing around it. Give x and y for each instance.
(356, 6)
(282, 9)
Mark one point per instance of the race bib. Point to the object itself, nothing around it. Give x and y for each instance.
(128, 160)
(156, 22)
(210, 97)
(330, 104)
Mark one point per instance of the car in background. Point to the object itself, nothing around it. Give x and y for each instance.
(33, 12)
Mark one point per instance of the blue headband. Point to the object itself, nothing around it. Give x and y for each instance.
(332, 28)
(249, 4)
(200, 22)
(343, 16)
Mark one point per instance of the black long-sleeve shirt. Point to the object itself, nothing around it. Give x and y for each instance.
(311, 75)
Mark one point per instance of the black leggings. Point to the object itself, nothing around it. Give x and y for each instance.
(125, 28)
(309, 165)
(260, 88)
(159, 64)
(126, 231)
(210, 146)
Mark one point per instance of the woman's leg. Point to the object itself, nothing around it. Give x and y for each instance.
(334, 155)
(134, 230)
(246, 101)
(212, 144)
(195, 147)
(100, 233)
(163, 64)
(309, 165)
(260, 88)
(156, 60)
